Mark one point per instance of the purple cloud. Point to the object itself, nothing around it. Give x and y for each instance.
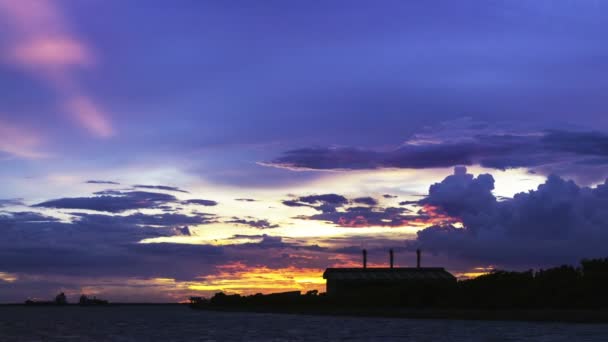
(101, 182)
(111, 201)
(204, 202)
(160, 187)
(560, 222)
(548, 151)
(10, 202)
(366, 200)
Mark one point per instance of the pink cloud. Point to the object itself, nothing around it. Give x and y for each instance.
(19, 142)
(41, 42)
(52, 52)
(89, 115)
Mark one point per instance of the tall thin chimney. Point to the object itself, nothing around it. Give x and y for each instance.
(418, 258)
(364, 258)
(390, 252)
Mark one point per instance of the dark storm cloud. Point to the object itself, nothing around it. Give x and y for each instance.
(100, 245)
(161, 220)
(245, 199)
(325, 202)
(357, 217)
(160, 187)
(101, 182)
(542, 150)
(560, 222)
(340, 211)
(253, 223)
(108, 246)
(366, 200)
(204, 202)
(389, 196)
(112, 201)
(25, 216)
(333, 199)
(295, 203)
(35, 230)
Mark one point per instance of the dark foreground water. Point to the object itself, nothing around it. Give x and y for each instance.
(174, 323)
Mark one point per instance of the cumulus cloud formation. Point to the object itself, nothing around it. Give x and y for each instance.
(560, 222)
(112, 201)
(552, 151)
(462, 193)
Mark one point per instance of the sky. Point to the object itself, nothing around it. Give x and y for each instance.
(150, 153)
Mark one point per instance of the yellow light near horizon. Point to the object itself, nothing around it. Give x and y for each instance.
(238, 278)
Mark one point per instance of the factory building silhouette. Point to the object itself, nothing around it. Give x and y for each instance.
(404, 284)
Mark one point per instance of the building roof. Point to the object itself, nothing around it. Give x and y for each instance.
(384, 273)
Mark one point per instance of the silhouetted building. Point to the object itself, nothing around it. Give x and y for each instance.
(407, 283)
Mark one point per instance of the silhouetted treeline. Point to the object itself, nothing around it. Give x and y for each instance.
(273, 299)
(560, 287)
(86, 301)
(564, 287)
(61, 299)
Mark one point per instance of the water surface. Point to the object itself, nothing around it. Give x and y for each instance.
(176, 323)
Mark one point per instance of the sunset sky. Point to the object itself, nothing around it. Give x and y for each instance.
(154, 150)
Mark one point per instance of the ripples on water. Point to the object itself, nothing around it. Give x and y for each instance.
(175, 323)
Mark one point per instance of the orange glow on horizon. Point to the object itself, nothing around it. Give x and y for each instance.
(238, 278)
(474, 273)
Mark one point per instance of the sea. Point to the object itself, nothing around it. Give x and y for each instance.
(179, 323)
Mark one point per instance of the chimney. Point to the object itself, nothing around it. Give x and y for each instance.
(418, 258)
(390, 252)
(364, 258)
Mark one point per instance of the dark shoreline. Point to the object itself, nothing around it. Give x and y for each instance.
(98, 305)
(530, 315)
(535, 315)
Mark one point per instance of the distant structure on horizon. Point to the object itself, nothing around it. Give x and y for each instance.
(388, 282)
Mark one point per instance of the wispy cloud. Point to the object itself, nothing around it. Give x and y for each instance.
(19, 141)
(41, 41)
(89, 115)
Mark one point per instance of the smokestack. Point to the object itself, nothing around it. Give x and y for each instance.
(390, 252)
(418, 258)
(364, 258)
